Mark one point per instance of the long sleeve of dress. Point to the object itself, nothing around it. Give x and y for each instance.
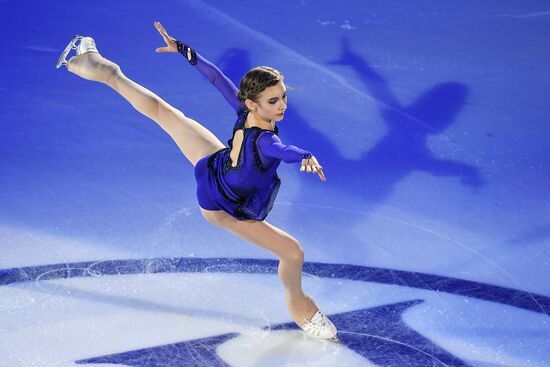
(220, 81)
(271, 146)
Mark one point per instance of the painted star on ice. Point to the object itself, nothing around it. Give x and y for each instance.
(378, 334)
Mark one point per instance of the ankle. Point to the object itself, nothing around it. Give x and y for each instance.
(301, 307)
(113, 75)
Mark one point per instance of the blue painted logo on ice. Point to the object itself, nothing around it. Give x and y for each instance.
(378, 334)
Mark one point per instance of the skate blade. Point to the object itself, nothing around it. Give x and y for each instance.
(71, 46)
(334, 339)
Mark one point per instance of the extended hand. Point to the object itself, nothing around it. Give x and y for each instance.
(170, 41)
(311, 165)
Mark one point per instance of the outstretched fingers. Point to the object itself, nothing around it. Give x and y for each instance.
(170, 41)
(321, 174)
(310, 165)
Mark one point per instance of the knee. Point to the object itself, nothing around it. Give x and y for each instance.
(294, 253)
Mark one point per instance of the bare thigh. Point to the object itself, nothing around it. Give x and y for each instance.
(194, 140)
(260, 233)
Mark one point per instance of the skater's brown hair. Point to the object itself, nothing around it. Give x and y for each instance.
(256, 81)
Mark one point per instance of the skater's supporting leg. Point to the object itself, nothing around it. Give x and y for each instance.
(193, 139)
(282, 245)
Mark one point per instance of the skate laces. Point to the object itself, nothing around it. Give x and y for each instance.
(319, 325)
(85, 44)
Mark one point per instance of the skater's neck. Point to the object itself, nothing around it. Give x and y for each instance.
(254, 120)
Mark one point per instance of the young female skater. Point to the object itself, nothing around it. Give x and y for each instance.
(236, 185)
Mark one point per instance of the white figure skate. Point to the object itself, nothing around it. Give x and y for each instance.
(321, 327)
(85, 44)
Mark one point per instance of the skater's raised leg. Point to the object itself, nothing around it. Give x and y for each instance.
(193, 139)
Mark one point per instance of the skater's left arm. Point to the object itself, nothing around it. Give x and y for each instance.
(224, 85)
(271, 146)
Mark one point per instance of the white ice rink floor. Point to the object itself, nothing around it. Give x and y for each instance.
(429, 244)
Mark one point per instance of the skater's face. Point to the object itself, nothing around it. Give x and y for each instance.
(271, 103)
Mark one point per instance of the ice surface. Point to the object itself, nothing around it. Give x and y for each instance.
(429, 118)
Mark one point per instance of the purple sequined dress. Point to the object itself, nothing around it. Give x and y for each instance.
(248, 190)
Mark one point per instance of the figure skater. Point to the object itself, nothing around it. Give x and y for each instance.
(236, 185)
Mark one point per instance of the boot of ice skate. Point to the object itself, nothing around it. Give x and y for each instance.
(87, 63)
(320, 326)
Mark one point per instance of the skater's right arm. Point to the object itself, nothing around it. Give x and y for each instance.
(219, 80)
(213, 73)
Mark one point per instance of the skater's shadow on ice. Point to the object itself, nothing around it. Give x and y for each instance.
(403, 149)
